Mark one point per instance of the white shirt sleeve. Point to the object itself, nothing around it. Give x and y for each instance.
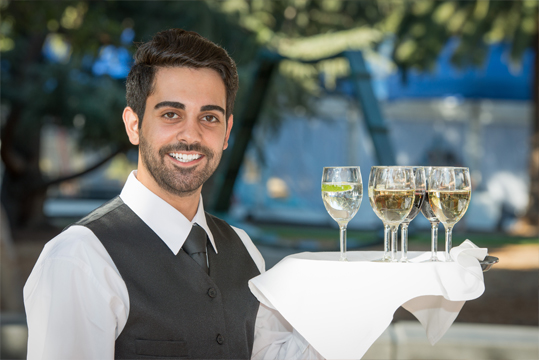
(76, 303)
(275, 338)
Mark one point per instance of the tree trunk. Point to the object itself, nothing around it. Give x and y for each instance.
(10, 272)
(22, 191)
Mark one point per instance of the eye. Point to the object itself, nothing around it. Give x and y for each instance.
(170, 115)
(210, 118)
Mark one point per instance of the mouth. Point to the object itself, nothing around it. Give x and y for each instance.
(185, 158)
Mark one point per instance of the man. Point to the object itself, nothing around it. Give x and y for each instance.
(150, 274)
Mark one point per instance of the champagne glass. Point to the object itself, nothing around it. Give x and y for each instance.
(419, 194)
(449, 197)
(342, 192)
(391, 194)
(427, 212)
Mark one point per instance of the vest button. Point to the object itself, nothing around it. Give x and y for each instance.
(220, 339)
(212, 292)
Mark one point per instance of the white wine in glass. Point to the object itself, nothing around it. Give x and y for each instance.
(419, 194)
(342, 192)
(391, 194)
(450, 191)
(427, 212)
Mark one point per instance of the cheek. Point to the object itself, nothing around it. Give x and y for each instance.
(221, 142)
(158, 138)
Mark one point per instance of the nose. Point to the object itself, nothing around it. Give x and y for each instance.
(189, 131)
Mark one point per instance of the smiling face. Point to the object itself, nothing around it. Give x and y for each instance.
(184, 131)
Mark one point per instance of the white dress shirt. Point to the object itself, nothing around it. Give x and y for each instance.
(77, 303)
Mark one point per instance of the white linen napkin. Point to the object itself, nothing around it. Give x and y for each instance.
(341, 308)
(467, 255)
(436, 313)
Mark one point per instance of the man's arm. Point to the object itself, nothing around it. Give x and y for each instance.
(275, 339)
(72, 307)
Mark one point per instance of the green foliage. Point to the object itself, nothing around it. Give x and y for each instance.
(426, 26)
(59, 92)
(308, 30)
(317, 29)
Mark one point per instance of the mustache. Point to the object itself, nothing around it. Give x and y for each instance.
(186, 147)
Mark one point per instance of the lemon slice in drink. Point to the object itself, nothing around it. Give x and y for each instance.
(336, 188)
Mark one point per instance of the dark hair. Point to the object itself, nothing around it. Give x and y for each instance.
(177, 47)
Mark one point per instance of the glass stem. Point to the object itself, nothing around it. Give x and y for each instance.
(434, 240)
(448, 240)
(387, 248)
(394, 235)
(404, 242)
(343, 242)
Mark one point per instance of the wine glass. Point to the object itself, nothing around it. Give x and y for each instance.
(387, 229)
(342, 192)
(450, 191)
(419, 194)
(427, 212)
(391, 194)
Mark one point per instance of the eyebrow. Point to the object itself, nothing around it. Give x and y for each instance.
(212, 107)
(174, 104)
(179, 105)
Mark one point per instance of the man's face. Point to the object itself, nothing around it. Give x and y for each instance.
(184, 129)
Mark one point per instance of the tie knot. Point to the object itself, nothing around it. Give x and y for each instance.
(196, 240)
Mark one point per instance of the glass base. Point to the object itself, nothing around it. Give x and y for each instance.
(385, 258)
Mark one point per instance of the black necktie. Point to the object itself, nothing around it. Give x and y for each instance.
(195, 246)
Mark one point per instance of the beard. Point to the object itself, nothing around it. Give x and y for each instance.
(174, 179)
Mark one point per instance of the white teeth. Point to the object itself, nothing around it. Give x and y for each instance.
(184, 157)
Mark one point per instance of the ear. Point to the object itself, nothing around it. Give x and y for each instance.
(131, 125)
(230, 122)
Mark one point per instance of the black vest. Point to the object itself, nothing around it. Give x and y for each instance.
(176, 309)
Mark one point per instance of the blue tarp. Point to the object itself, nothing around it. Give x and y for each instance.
(497, 78)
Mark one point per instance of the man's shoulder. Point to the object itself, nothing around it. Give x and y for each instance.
(74, 244)
(77, 239)
(73, 261)
(101, 211)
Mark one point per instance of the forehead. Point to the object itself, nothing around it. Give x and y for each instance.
(189, 84)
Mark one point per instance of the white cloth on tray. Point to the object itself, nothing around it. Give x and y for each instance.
(341, 308)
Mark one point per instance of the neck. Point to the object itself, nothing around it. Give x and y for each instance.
(187, 205)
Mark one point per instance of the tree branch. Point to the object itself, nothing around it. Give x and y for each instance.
(121, 149)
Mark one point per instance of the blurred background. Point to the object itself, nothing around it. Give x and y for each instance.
(322, 83)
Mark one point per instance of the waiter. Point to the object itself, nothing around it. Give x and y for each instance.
(150, 274)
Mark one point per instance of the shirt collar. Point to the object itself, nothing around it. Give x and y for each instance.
(167, 222)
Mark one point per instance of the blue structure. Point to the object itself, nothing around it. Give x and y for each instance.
(496, 79)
